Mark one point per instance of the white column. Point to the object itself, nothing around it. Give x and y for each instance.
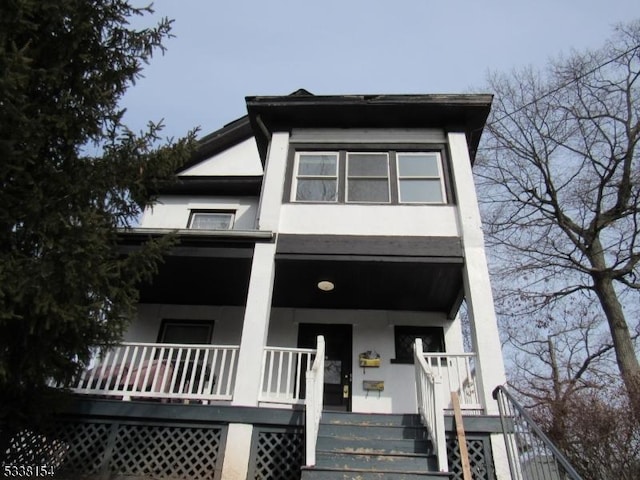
(255, 327)
(235, 465)
(484, 325)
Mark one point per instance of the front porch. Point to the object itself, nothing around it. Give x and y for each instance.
(187, 373)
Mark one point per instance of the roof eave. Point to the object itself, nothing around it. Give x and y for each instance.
(453, 112)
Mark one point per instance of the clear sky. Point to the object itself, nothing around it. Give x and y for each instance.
(226, 50)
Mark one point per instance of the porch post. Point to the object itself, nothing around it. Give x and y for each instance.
(258, 308)
(484, 327)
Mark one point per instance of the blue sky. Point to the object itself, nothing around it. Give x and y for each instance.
(224, 51)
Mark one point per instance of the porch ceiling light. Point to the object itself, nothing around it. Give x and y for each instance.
(326, 285)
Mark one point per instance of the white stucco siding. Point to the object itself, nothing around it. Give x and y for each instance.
(405, 220)
(172, 211)
(372, 330)
(240, 160)
(227, 328)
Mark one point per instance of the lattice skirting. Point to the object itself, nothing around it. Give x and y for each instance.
(276, 454)
(480, 457)
(113, 449)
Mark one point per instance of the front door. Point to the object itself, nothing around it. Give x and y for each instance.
(337, 362)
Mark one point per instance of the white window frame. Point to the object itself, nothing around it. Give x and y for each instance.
(297, 176)
(365, 177)
(439, 177)
(195, 212)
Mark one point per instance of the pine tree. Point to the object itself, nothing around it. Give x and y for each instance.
(72, 176)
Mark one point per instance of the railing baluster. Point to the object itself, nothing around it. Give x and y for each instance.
(270, 372)
(299, 359)
(194, 368)
(203, 372)
(176, 367)
(279, 377)
(136, 381)
(132, 364)
(219, 366)
(183, 367)
(288, 389)
(232, 370)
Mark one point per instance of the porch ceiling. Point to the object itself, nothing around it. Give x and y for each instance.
(369, 284)
(200, 280)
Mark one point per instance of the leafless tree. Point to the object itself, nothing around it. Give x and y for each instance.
(563, 369)
(559, 179)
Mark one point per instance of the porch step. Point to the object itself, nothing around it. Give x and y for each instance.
(352, 474)
(373, 446)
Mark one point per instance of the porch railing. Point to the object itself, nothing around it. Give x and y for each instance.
(430, 395)
(531, 455)
(166, 371)
(458, 374)
(314, 386)
(283, 372)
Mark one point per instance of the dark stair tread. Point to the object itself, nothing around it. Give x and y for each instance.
(338, 444)
(371, 419)
(374, 451)
(362, 474)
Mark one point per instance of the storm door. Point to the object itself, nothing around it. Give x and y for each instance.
(337, 362)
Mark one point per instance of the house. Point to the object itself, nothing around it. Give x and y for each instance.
(308, 321)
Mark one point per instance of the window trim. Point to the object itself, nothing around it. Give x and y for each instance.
(296, 176)
(392, 150)
(185, 322)
(198, 211)
(440, 177)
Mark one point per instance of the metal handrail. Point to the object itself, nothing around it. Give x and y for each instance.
(531, 454)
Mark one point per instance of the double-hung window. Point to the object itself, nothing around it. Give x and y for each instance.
(316, 177)
(368, 177)
(420, 178)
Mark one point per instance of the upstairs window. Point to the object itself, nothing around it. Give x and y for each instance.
(211, 220)
(420, 178)
(316, 177)
(368, 177)
(387, 177)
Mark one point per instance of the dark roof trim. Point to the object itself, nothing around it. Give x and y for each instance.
(466, 113)
(210, 185)
(226, 137)
(186, 237)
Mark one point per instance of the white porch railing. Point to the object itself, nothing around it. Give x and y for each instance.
(283, 373)
(429, 390)
(168, 371)
(458, 374)
(314, 387)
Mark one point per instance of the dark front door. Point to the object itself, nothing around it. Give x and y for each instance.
(337, 362)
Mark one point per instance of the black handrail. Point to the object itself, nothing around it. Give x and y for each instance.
(531, 454)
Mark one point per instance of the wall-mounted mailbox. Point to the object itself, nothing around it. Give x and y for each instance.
(373, 385)
(369, 359)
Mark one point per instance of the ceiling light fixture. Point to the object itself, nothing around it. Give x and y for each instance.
(326, 285)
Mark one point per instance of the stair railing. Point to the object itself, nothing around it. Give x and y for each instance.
(530, 453)
(429, 390)
(314, 392)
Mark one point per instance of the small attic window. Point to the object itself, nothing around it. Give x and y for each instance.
(211, 220)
